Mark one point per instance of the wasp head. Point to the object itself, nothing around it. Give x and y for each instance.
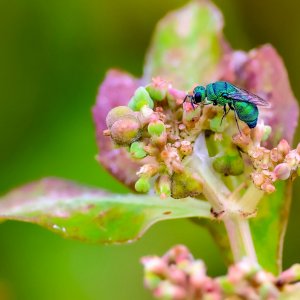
(199, 94)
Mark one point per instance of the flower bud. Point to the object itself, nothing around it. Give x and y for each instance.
(159, 140)
(186, 148)
(282, 171)
(125, 130)
(185, 184)
(177, 254)
(284, 147)
(268, 187)
(157, 89)
(229, 165)
(167, 290)
(142, 185)
(117, 113)
(164, 186)
(148, 170)
(175, 97)
(290, 275)
(152, 280)
(154, 264)
(156, 128)
(275, 156)
(145, 115)
(258, 178)
(242, 140)
(140, 98)
(226, 285)
(197, 273)
(190, 114)
(137, 150)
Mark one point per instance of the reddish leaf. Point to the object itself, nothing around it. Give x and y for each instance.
(116, 90)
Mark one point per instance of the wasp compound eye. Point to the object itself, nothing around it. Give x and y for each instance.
(199, 94)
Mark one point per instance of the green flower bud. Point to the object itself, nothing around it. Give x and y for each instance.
(140, 98)
(142, 185)
(151, 280)
(226, 285)
(156, 128)
(157, 93)
(116, 113)
(229, 165)
(163, 186)
(191, 115)
(137, 150)
(184, 185)
(125, 130)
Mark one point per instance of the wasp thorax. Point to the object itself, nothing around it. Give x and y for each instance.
(199, 93)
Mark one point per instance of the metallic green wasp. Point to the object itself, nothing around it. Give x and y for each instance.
(243, 103)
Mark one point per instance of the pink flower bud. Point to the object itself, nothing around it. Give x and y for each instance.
(125, 130)
(290, 275)
(274, 155)
(154, 264)
(117, 113)
(258, 179)
(284, 147)
(167, 290)
(282, 171)
(268, 187)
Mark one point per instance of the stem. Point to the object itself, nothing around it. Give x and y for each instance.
(215, 191)
(250, 199)
(222, 199)
(240, 238)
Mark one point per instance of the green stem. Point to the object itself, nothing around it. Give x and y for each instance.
(250, 199)
(240, 237)
(223, 200)
(215, 191)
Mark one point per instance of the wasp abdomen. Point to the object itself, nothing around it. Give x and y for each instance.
(247, 112)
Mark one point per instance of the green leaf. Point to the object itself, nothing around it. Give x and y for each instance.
(93, 215)
(187, 45)
(269, 226)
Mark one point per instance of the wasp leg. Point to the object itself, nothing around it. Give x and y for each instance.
(236, 121)
(225, 113)
(191, 100)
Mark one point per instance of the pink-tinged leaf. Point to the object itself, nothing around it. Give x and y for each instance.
(116, 90)
(188, 46)
(262, 72)
(93, 215)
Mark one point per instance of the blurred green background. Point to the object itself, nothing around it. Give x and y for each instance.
(53, 55)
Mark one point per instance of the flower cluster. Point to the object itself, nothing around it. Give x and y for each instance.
(160, 129)
(270, 165)
(177, 275)
(157, 128)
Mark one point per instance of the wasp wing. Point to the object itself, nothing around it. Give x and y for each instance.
(243, 95)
